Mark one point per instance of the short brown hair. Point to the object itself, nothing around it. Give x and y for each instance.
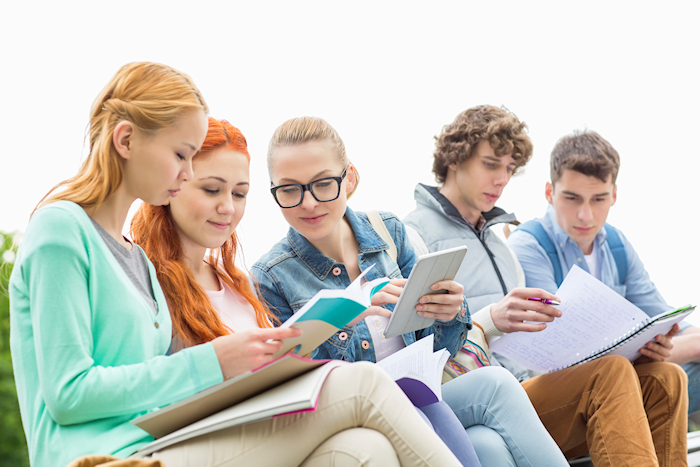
(500, 127)
(586, 152)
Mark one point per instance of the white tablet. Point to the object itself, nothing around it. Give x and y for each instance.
(429, 269)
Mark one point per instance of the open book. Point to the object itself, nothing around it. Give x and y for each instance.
(299, 394)
(596, 321)
(328, 311)
(418, 371)
(229, 393)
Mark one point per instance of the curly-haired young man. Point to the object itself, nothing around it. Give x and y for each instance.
(624, 415)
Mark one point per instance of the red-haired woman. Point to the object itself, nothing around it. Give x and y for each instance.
(209, 298)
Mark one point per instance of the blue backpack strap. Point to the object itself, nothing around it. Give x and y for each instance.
(617, 248)
(535, 229)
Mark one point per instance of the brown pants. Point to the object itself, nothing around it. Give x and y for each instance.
(623, 415)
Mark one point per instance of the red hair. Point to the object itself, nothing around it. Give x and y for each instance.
(195, 320)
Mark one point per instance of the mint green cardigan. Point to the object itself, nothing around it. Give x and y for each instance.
(88, 352)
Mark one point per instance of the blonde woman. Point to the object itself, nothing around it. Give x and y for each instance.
(90, 326)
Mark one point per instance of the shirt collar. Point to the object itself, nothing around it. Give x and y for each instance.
(367, 239)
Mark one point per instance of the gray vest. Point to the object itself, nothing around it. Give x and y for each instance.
(488, 257)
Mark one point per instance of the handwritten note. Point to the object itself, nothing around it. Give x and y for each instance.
(593, 315)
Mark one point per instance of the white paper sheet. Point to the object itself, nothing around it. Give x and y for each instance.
(590, 311)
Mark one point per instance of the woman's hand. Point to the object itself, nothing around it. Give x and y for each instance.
(443, 307)
(390, 293)
(245, 350)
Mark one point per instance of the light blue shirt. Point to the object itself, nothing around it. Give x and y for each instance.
(539, 272)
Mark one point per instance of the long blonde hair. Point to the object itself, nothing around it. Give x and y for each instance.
(301, 130)
(149, 95)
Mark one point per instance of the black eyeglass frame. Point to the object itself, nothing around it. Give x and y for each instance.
(306, 187)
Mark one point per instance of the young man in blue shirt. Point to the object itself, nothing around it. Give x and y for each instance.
(623, 415)
(583, 171)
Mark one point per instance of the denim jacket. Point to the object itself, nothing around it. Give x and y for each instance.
(293, 271)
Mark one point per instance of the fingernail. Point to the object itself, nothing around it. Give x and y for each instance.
(424, 300)
(420, 307)
(434, 287)
(421, 314)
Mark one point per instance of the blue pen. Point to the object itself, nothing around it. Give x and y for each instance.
(544, 300)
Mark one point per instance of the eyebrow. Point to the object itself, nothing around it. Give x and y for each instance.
(215, 178)
(497, 159)
(191, 147)
(571, 193)
(315, 177)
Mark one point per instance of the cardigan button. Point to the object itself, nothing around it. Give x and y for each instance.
(336, 271)
(365, 345)
(157, 325)
(343, 336)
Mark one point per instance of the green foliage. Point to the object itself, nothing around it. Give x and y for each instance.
(13, 446)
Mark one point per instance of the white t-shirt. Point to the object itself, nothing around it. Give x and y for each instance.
(234, 310)
(592, 261)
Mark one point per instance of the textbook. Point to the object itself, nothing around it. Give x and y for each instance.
(418, 371)
(595, 321)
(327, 312)
(234, 391)
(299, 394)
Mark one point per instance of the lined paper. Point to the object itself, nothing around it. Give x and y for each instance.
(593, 316)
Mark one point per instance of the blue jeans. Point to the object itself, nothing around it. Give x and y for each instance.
(692, 369)
(500, 420)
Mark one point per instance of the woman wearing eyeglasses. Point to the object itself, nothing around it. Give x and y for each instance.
(328, 245)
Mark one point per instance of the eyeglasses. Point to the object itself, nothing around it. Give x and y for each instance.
(324, 190)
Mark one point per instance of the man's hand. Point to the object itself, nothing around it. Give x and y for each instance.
(659, 349)
(510, 314)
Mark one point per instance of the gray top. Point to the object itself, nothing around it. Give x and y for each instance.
(133, 263)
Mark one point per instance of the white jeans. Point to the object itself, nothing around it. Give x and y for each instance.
(362, 418)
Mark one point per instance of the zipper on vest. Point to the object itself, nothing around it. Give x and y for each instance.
(488, 251)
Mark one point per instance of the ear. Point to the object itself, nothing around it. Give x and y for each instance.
(549, 192)
(453, 166)
(122, 139)
(351, 176)
(614, 195)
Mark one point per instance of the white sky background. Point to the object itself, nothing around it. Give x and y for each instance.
(388, 76)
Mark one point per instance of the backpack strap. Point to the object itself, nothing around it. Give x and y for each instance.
(378, 224)
(617, 248)
(535, 229)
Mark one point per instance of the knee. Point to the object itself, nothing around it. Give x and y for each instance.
(498, 378)
(669, 374)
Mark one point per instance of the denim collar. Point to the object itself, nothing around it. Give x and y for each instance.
(560, 236)
(368, 241)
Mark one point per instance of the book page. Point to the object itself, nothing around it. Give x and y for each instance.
(593, 315)
(414, 358)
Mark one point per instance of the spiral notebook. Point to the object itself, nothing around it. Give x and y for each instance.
(595, 321)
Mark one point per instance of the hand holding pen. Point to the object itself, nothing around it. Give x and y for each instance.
(525, 309)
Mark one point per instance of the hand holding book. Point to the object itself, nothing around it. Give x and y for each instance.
(659, 349)
(245, 350)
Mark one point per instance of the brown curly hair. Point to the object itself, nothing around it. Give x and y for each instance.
(499, 126)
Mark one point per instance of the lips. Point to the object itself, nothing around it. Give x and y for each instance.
(313, 220)
(583, 229)
(173, 193)
(220, 225)
(492, 197)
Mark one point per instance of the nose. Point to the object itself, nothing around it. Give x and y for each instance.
(186, 173)
(309, 203)
(226, 206)
(585, 213)
(502, 177)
